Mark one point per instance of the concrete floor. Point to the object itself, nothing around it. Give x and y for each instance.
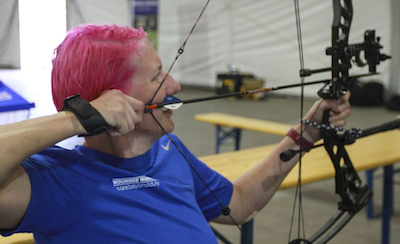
(272, 224)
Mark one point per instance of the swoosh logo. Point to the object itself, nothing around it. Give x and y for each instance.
(166, 147)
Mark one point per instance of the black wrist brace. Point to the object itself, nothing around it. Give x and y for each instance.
(90, 118)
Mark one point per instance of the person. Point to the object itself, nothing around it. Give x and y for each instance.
(126, 183)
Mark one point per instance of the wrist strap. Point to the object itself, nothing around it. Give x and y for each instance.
(296, 138)
(88, 116)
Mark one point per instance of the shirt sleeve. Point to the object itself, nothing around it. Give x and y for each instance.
(56, 200)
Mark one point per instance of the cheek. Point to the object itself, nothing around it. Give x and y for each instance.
(140, 93)
(146, 91)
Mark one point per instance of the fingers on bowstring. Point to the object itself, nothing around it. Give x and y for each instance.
(136, 109)
(123, 112)
(132, 115)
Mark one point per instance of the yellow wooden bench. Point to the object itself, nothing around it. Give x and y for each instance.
(366, 153)
(369, 152)
(244, 123)
(311, 172)
(237, 124)
(25, 238)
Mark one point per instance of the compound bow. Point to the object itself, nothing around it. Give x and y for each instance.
(354, 196)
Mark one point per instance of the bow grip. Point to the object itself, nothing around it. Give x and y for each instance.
(325, 118)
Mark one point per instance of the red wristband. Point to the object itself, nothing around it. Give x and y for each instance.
(296, 138)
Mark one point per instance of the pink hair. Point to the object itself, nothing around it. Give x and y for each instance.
(94, 58)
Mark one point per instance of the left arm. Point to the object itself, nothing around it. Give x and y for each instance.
(255, 188)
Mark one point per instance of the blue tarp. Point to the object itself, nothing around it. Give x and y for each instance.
(10, 100)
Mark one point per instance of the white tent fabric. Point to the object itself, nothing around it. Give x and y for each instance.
(9, 34)
(98, 11)
(259, 37)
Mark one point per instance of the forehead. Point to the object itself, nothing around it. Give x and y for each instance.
(148, 56)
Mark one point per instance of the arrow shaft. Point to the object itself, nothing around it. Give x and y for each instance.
(241, 93)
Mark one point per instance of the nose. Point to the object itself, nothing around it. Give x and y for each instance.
(173, 86)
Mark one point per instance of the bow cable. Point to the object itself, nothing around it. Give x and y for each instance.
(224, 209)
(180, 51)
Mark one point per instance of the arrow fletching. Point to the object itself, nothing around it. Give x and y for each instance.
(172, 103)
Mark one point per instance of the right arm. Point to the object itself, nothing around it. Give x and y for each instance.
(20, 140)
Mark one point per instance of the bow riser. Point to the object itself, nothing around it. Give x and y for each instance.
(354, 196)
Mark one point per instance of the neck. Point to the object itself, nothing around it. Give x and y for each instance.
(127, 146)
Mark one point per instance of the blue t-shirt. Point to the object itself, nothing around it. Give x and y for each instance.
(85, 196)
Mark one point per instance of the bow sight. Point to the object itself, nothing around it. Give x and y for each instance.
(342, 56)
